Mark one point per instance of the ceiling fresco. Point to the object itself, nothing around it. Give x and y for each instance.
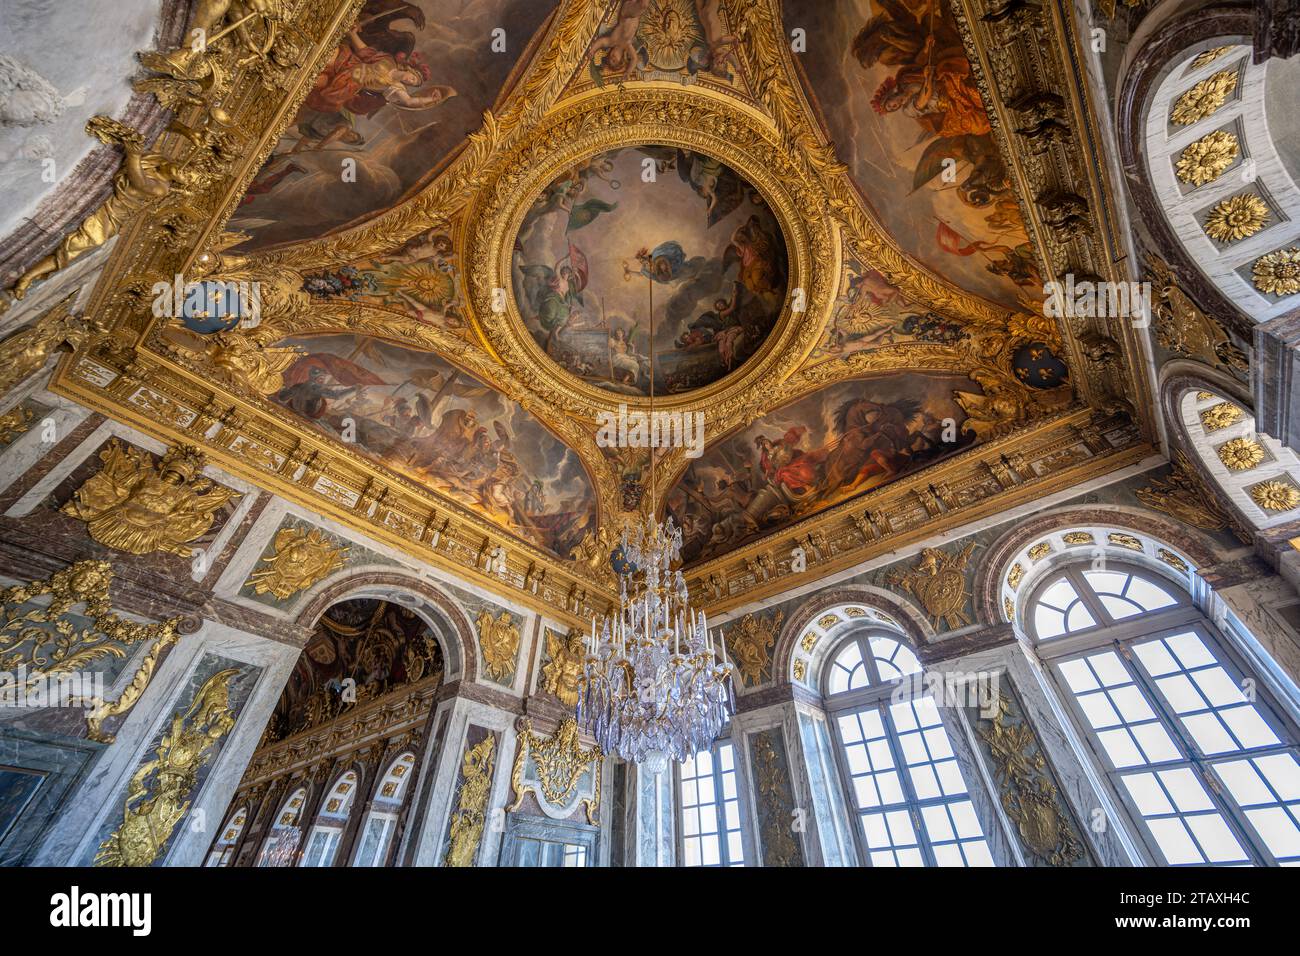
(636, 235)
(396, 98)
(891, 82)
(832, 445)
(439, 341)
(419, 414)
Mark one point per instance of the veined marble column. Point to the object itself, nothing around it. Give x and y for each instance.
(650, 817)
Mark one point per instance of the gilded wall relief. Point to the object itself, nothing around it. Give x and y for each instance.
(359, 651)
(558, 771)
(473, 790)
(298, 557)
(775, 800)
(566, 656)
(397, 98)
(1028, 787)
(827, 447)
(423, 416)
(750, 644)
(898, 97)
(166, 784)
(602, 251)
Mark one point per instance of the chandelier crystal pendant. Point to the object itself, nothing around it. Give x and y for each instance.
(654, 685)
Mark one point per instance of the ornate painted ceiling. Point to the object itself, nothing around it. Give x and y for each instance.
(477, 229)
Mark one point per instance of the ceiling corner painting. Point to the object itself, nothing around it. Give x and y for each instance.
(402, 91)
(636, 231)
(418, 414)
(686, 40)
(896, 92)
(822, 449)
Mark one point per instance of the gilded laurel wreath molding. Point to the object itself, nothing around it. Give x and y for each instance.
(47, 642)
(561, 760)
(159, 794)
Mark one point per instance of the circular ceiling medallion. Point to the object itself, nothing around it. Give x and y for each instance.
(648, 230)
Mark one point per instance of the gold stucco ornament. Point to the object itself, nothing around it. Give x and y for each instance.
(751, 642)
(1220, 416)
(1275, 495)
(1205, 97)
(137, 506)
(301, 559)
(939, 583)
(1241, 454)
(560, 762)
(498, 638)
(471, 810)
(1205, 160)
(1237, 217)
(158, 795)
(1278, 273)
(560, 675)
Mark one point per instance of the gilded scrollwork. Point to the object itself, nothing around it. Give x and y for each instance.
(561, 762)
(49, 641)
(470, 815)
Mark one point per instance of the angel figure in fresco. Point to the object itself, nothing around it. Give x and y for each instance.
(615, 49)
(664, 263)
(554, 294)
(136, 506)
(362, 80)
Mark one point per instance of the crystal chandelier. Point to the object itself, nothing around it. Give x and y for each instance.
(653, 684)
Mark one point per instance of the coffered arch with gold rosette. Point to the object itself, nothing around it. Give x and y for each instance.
(392, 379)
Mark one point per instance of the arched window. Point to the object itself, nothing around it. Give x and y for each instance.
(323, 841)
(381, 821)
(1198, 755)
(897, 760)
(225, 845)
(281, 844)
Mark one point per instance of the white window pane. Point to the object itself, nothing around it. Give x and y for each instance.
(883, 858)
(910, 858)
(1283, 773)
(1208, 733)
(1181, 694)
(1048, 622)
(731, 813)
(690, 792)
(1155, 742)
(900, 827)
(704, 761)
(735, 849)
(1118, 608)
(709, 853)
(1060, 594)
(950, 778)
(729, 786)
(1244, 783)
(977, 853)
(1219, 689)
(1277, 830)
(849, 728)
(1174, 841)
(864, 789)
(1186, 790)
(690, 822)
(949, 855)
(882, 758)
(1079, 617)
(913, 748)
(1106, 582)
(924, 782)
(1216, 839)
(927, 712)
(1133, 707)
(692, 847)
(1079, 677)
(936, 738)
(1190, 650)
(726, 755)
(1147, 795)
(1145, 593)
(1110, 669)
(1155, 657)
(904, 719)
(1120, 748)
(839, 680)
(937, 825)
(1249, 726)
(891, 788)
(856, 757)
(1098, 710)
(874, 830)
(871, 724)
(968, 824)
(906, 661)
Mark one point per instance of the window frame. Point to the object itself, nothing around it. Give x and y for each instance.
(879, 694)
(1121, 636)
(720, 811)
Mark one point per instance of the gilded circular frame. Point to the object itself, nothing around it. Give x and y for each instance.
(669, 115)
